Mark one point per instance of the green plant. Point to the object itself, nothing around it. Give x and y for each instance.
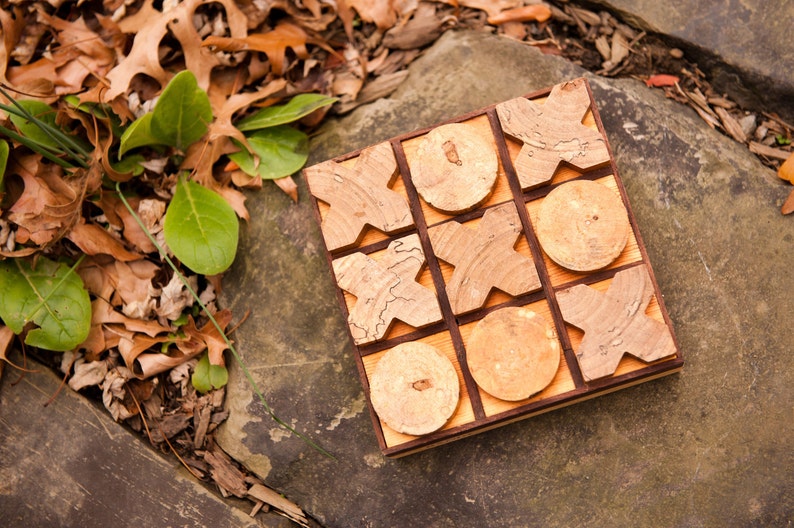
(48, 302)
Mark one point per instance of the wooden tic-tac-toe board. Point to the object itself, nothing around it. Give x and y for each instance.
(490, 269)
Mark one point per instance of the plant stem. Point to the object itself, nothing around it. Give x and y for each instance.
(228, 342)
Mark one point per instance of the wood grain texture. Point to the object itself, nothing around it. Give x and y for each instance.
(513, 353)
(552, 133)
(414, 388)
(359, 196)
(455, 168)
(583, 225)
(386, 290)
(615, 323)
(484, 258)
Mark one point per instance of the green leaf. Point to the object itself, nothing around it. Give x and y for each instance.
(52, 296)
(298, 107)
(281, 150)
(138, 134)
(201, 228)
(3, 162)
(182, 113)
(30, 129)
(207, 377)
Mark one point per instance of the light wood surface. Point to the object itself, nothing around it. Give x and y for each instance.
(484, 258)
(359, 196)
(552, 133)
(513, 353)
(583, 225)
(414, 388)
(386, 289)
(615, 323)
(455, 168)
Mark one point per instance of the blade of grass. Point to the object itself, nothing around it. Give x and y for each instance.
(228, 342)
(81, 156)
(38, 149)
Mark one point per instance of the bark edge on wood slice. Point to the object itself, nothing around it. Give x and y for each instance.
(513, 353)
(615, 323)
(484, 258)
(414, 388)
(455, 168)
(583, 225)
(386, 289)
(552, 133)
(359, 196)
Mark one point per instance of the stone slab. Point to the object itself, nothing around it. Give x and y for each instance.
(69, 464)
(744, 47)
(707, 447)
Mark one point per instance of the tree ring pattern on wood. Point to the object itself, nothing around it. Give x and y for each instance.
(414, 388)
(455, 168)
(583, 225)
(513, 353)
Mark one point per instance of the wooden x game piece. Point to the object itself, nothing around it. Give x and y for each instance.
(386, 289)
(359, 196)
(615, 323)
(484, 259)
(552, 133)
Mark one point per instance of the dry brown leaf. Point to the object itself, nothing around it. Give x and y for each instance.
(150, 26)
(11, 26)
(491, 7)
(533, 13)
(380, 12)
(287, 184)
(786, 170)
(788, 205)
(423, 28)
(175, 298)
(210, 337)
(274, 44)
(93, 240)
(48, 205)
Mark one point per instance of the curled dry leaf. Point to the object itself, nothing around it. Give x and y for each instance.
(530, 13)
(93, 240)
(88, 374)
(114, 394)
(788, 205)
(661, 80)
(786, 170)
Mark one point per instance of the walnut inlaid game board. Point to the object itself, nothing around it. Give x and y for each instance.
(490, 269)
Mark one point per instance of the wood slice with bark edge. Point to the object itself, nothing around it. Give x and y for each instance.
(455, 168)
(359, 196)
(414, 388)
(513, 353)
(615, 323)
(552, 133)
(583, 225)
(386, 289)
(484, 259)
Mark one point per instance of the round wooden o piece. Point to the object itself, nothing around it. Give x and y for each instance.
(513, 353)
(583, 225)
(414, 388)
(455, 168)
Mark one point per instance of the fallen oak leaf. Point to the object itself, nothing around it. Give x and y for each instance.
(274, 44)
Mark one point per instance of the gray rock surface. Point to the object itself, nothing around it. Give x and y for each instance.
(707, 447)
(69, 464)
(744, 47)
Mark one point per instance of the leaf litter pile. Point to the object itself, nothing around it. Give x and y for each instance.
(130, 129)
